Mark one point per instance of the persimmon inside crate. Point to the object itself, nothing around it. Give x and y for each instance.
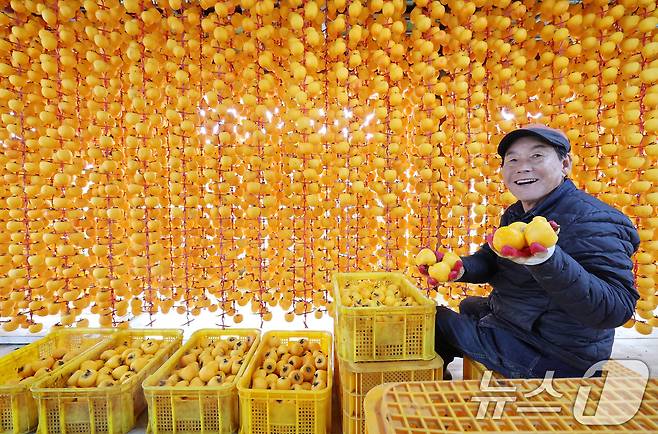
(109, 409)
(18, 409)
(398, 325)
(616, 404)
(198, 409)
(272, 411)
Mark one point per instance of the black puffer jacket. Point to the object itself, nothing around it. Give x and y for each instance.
(569, 305)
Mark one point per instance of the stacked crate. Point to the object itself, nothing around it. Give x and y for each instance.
(380, 340)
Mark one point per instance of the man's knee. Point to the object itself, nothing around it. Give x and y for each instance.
(452, 325)
(455, 333)
(444, 340)
(475, 306)
(445, 315)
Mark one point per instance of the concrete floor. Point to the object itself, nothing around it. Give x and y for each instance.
(628, 345)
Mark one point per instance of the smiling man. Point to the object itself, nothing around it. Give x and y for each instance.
(555, 311)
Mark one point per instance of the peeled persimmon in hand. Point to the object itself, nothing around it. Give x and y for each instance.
(448, 269)
(507, 238)
(521, 240)
(540, 234)
(440, 271)
(426, 257)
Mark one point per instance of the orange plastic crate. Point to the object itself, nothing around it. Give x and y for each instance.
(204, 409)
(111, 409)
(384, 333)
(286, 411)
(18, 410)
(452, 407)
(356, 380)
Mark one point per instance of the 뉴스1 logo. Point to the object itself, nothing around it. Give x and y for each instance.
(619, 400)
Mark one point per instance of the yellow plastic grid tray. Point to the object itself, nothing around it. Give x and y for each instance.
(385, 333)
(286, 411)
(474, 370)
(356, 380)
(18, 410)
(111, 409)
(205, 409)
(453, 406)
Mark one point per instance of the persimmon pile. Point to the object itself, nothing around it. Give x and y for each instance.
(204, 156)
(374, 293)
(115, 365)
(210, 363)
(296, 365)
(37, 368)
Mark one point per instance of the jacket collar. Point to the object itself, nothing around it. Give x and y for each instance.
(546, 204)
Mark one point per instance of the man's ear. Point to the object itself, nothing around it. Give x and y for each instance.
(567, 163)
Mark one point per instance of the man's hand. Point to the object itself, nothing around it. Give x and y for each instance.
(534, 252)
(439, 267)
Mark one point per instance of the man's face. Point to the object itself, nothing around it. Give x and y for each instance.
(532, 169)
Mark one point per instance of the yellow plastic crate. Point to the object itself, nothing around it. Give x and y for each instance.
(111, 409)
(369, 334)
(356, 380)
(452, 407)
(196, 409)
(474, 370)
(18, 410)
(286, 411)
